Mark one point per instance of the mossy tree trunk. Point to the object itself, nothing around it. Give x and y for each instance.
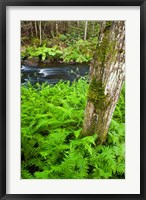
(107, 73)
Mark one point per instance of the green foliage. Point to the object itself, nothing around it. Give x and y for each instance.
(52, 146)
(43, 52)
(63, 37)
(67, 36)
(119, 113)
(80, 51)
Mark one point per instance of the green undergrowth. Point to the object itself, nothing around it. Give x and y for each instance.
(52, 147)
(78, 51)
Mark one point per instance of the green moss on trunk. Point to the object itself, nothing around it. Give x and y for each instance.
(96, 94)
(106, 48)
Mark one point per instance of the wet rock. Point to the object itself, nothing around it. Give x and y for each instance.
(46, 61)
(31, 62)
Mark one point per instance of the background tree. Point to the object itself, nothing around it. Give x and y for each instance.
(85, 32)
(40, 30)
(107, 72)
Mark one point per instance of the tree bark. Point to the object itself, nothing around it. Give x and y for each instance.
(85, 32)
(36, 30)
(40, 29)
(56, 28)
(93, 27)
(107, 72)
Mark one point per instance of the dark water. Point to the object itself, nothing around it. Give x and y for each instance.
(53, 73)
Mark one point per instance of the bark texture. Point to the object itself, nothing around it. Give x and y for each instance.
(107, 73)
(85, 32)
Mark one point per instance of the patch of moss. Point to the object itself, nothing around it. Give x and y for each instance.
(96, 94)
(109, 23)
(106, 48)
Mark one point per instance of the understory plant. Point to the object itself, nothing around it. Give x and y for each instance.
(42, 52)
(52, 146)
(79, 51)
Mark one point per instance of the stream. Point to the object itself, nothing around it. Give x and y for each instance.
(53, 73)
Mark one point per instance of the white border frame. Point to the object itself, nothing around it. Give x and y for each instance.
(130, 185)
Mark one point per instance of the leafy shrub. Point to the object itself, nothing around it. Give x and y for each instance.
(43, 52)
(52, 147)
(80, 51)
(119, 113)
(63, 37)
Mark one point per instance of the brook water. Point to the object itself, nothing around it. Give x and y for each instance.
(53, 72)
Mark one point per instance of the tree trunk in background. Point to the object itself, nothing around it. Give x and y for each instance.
(52, 30)
(93, 26)
(78, 23)
(107, 72)
(56, 28)
(31, 29)
(36, 30)
(45, 25)
(85, 32)
(40, 29)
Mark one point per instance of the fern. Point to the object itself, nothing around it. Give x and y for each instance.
(52, 147)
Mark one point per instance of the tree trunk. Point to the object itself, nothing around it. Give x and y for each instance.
(78, 23)
(56, 28)
(107, 72)
(45, 25)
(31, 29)
(40, 29)
(36, 30)
(52, 29)
(85, 32)
(93, 27)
